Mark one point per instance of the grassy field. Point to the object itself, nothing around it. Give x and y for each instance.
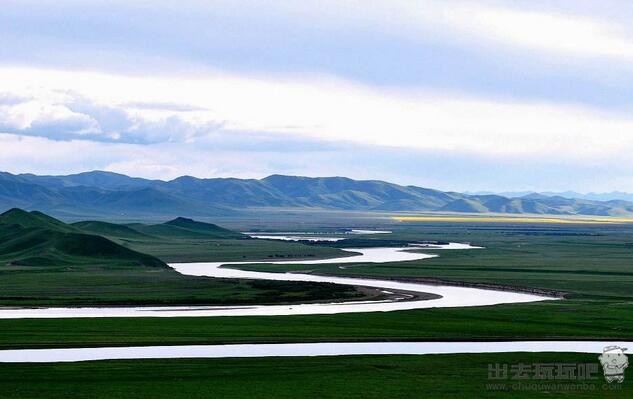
(430, 376)
(514, 219)
(99, 285)
(591, 263)
(573, 319)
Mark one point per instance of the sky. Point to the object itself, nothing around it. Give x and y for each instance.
(454, 95)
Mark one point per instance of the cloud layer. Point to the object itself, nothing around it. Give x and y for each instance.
(379, 89)
(110, 108)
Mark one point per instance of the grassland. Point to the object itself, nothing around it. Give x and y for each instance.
(116, 285)
(514, 219)
(592, 264)
(366, 377)
(548, 320)
(585, 261)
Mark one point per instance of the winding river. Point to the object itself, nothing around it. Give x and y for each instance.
(448, 296)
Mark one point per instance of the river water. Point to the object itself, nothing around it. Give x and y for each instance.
(302, 349)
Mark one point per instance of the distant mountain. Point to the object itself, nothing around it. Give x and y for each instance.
(101, 179)
(82, 195)
(109, 195)
(610, 196)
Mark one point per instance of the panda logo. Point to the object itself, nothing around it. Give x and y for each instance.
(614, 361)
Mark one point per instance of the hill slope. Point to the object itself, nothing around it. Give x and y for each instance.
(35, 239)
(34, 219)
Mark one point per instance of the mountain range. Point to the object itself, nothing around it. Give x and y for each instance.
(112, 195)
(610, 196)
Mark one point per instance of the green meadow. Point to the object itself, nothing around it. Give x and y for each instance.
(380, 377)
(591, 265)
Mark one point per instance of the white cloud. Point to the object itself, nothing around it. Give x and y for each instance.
(192, 31)
(31, 114)
(555, 33)
(570, 31)
(319, 108)
(49, 112)
(40, 155)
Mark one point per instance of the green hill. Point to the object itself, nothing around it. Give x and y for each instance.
(33, 219)
(33, 238)
(187, 228)
(208, 229)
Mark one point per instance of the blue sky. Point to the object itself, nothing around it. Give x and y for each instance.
(456, 95)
